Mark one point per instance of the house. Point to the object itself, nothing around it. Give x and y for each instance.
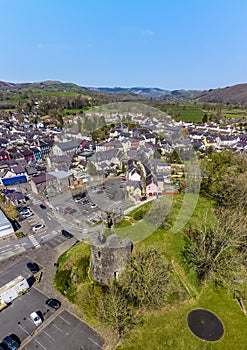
(4, 155)
(134, 189)
(227, 140)
(16, 198)
(64, 179)
(151, 186)
(62, 148)
(37, 153)
(134, 173)
(28, 154)
(150, 138)
(44, 184)
(8, 177)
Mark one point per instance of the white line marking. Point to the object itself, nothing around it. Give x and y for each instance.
(60, 330)
(49, 335)
(40, 344)
(94, 342)
(23, 329)
(64, 320)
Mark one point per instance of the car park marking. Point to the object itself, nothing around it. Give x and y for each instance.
(64, 320)
(60, 330)
(93, 341)
(40, 344)
(23, 329)
(49, 335)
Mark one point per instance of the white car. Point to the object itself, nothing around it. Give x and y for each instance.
(27, 214)
(35, 318)
(38, 227)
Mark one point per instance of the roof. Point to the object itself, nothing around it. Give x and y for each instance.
(68, 146)
(18, 169)
(60, 174)
(43, 178)
(4, 221)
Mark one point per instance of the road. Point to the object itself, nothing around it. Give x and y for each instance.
(79, 223)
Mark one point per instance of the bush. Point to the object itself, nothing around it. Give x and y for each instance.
(19, 234)
(64, 284)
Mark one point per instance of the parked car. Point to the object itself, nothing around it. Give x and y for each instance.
(42, 206)
(38, 227)
(27, 214)
(72, 211)
(11, 343)
(54, 303)
(85, 201)
(33, 267)
(20, 209)
(143, 199)
(3, 346)
(35, 318)
(67, 234)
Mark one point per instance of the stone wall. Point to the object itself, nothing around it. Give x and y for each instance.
(110, 256)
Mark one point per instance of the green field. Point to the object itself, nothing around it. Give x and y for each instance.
(167, 329)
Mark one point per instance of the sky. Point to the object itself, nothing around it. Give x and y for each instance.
(183, 44)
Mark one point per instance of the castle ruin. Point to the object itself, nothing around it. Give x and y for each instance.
(110, 256)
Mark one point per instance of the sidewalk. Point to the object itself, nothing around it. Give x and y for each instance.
(46, 257)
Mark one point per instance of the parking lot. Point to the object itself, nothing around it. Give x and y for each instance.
(15, 270)
(16, 317)
(59, 330)
(66, 332)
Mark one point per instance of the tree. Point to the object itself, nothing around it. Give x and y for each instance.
(214, 250)
(91, 169)
(148, 280)
(115, 310)
(205, 118)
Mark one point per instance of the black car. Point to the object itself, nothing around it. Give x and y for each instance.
(54, 303)
(67, 234)
(3, 346)
(12, 342)
(42, 206)
(33, 267)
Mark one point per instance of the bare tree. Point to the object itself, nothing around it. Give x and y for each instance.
(215, 249)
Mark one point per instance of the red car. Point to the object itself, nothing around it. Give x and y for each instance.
(143, 199)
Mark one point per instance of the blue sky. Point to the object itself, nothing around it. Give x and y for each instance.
(190, 44)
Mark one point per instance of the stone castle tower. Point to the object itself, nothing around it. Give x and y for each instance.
(110, 256)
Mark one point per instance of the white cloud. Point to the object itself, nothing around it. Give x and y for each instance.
(147, 32)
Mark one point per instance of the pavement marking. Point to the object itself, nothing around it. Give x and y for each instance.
(93, 341)
(60, 330)
(34, 241)
(23, 329)
(40, 344)
(49, 335)
(64, 320)
(46, 235)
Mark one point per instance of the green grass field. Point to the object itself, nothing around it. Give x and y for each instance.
(167, 329)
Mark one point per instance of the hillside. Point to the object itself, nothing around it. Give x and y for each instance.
(236, 94)
(231, 94)
(147, 92)
(48, 85)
